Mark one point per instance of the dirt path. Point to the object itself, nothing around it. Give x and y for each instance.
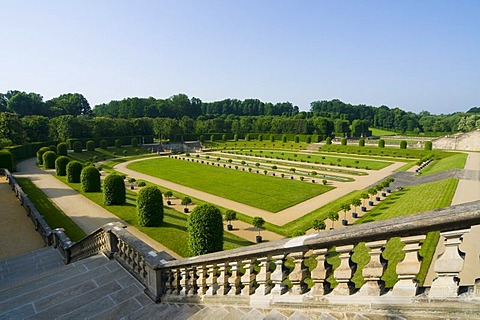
(87, 215)
(279, 218)
(17, 233)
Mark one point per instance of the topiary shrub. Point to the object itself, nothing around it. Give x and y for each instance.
(40, 153)
(90, 179)
(361, 143)
(61, 166)
(142, 184)
(118, 143)
(403, 144)
(103, 144)
(344, 141)
(150, 207)
(297, 139)
(74, 169)
(205, 230)
(328, 141)
(62, 149)
(114, 190)
(247, 137)
(235, 137)
(90, 145)
(77, 147)
(6, 160)
(309, 139)
(49, 158)
(381, 143)
(428, 145)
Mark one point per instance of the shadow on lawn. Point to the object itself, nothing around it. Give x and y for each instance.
(173, 226)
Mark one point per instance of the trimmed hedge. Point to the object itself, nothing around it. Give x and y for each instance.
(114, 190)
(90, 179)
(205, 230)
(134, 142)
(126, 140)
(40, 153)
(90, 145)
(103, 144)
(6, 160)
(381, 143)
(150, 207)
(328, 141)
(361, 143)
(49, 158)
(118, 143)
(27, 150)
(344, 141)
(77, 147)
(428, 145)
(61, 166)
(62, 149)
(403, 144)
(74, 169)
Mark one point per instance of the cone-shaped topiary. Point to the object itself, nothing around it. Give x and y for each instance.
(205, 230)
(150, 207)
(40, 153)
(61, 165)
(90, 179)
(49, 158)
(74, 169)
(114, 190)
(62, 149)
(77, 147)
(90, 145)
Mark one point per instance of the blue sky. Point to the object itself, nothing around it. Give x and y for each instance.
(417, 55)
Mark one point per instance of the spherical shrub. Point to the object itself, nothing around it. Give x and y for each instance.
(40, 153)
(52, 148)
(150, 207)
(90, 145)
(142, 184)
(74, 169)
(428, 145)
(90, 179)
(118, 143)
(103, 144)
(134, 142)
(61, 165)
(114, 190)
(62, 149)
(205, 230)
(77, 147)
(49, 158)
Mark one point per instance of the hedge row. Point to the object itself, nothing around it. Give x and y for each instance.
(126, 141)
(253, 136)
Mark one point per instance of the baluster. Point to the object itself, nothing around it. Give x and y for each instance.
(192, 286)
(319, 274)
(168, 282)
(184, 281)
(234, 281)
(222, 280)
(372, 272)
(279, 275)
(134, 259)
(263, 277)
(201, 279)
(248, 277)
(408, 268)
(343, 273)
(176, 282)
(212, 280)
(299, 273)
(447, 266)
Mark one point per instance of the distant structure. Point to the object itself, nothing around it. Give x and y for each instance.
(469, 141)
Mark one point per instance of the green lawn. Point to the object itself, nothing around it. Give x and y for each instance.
(456, 161)
(380, 132)
(258, 190)
(173, 232)
(54, 217)
(102, 154)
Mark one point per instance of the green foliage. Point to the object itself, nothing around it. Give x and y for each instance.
(114, 190)
(142, 184)
(235, 137)
(205, 230)
(6, 160)
(297, 139)
(403, 144)
(77, 147)
(62, 149)
(118, 143)
(202, 139)
(319, 225)
(168, 194)
(186, 201)
(428, 145)
(230, 215)
(328, 141)
(260, 137)
(298, 233)
(212, 138)
(49, 158)
(103, 144)
(309, 139)
(344, 141)
(40, 153)
(61, 165)
(90, 179)
(224, 137)
(247, 137)
(272, 138)
(74, 169)
(284, 138)
(134, 142)
(258, 222)
(90, 145)
(381, 143)
(150, 207)
(361, 143)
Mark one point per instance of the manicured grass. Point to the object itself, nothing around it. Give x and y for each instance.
(255, 144)
(456, 161)
(339, 161)
(102, 154)
(380, 132)
(269, 193)
(54, 217)
(173, 232)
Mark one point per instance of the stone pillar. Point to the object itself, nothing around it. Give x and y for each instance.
(372, 272)
(299, 273)
(447, 266)
(319, 274)
(176, 281)
(248, 277)
(263, 277)
(184, 281)
(222, 280)
(234, 281)
(278, 275)
(343, 273)
(408, 268)
(192, 282)
(212, 280)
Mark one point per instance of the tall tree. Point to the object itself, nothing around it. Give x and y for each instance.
(11, 128)
(24, 104)
(36, 128)
(73, 104)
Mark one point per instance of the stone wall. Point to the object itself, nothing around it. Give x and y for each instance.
(469, 141)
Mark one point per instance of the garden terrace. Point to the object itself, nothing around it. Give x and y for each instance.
(255, 144)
